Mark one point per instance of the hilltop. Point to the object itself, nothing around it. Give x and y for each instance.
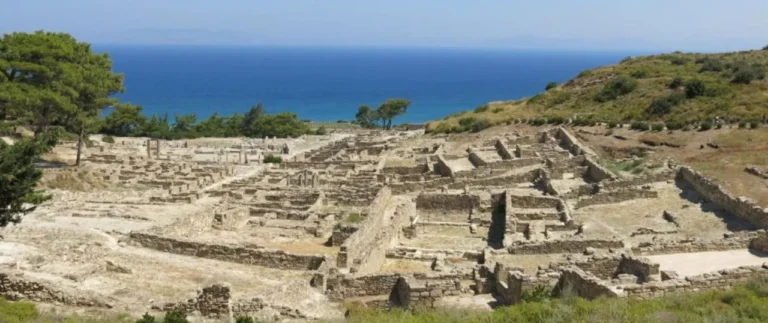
(677, 88)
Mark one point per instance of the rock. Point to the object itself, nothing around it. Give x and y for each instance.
(473, 228)
(112, 267)
(589, 251)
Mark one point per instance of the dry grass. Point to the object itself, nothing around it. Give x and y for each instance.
(72, 180)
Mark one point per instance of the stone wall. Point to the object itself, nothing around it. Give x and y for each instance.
(723, 279)
(342, 287)
(447, 202)
(597, 172)
(760, 243)
(570, 143)
(736, 241)
(15, 286)
(442, 167)
(643, 268)
(561, 246)
(637, 181)
(232, 253)
(616, 197)
(503, 150)
(532, 202)
(365, 250)
(342, 233)
(582, 284)
(432, 254)
(740, 207)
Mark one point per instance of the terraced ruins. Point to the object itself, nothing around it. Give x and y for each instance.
(384, 219)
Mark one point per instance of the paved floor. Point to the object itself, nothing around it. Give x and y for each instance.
(692, 264)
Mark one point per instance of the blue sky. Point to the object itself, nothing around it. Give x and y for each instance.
(705, 25)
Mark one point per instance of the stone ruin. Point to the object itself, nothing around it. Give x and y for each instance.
(382, 219)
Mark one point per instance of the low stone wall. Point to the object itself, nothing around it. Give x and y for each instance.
(432, 254)
(365, 250)
(503, 150)
(723, 279)
(342, 233)
(662, 247)
(582, 284)
(643, 268)
(532, 202)
(597, 172)
(569, 142)
(760, 243)
(447, 202)
(616, 197)
(415, 294)
(561, 246)
(516, 163)
(637, 181)
(499, 181)
(231, 253)
(740, 207)
(15, 286)
(342, 287)
(442, 167)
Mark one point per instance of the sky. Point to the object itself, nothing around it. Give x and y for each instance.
(688, 25)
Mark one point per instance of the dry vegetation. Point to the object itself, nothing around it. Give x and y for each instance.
(734, 88)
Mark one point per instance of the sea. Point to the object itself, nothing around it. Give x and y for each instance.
(329, 84)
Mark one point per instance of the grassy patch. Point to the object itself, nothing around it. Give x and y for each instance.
(747, 303)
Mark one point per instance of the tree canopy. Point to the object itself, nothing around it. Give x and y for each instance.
(369, 118)
(19, 176)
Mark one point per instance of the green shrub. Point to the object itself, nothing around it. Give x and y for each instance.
(676, 83)
(639, 74)
(108, 139)
(742, 124)
(615, 88)
(537, 294)
(355, 218)
(175, 317)
(639, 125)
(539, 122)
(694, 88)
(245, 319)
(674, 125)
(556, 120)
(745, 75)
(709, 64)
(146, 319)
(706, 125)
(17, 312)
(321, 131)
(754, 125)
(559, 98)
(550, 85)
(497, 110)
(272, 159)
(657, 127)
(481, 108)
(663, 106)
(611, 124)
(677, 60)
(473, 124)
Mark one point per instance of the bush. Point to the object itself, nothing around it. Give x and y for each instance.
(663, 106)
(677, 60)
(639, 125)
(657, 127)
(639, 74)
(481, 108)
(321, 131)
(615, 88)
(146, 319)
(742, 124)
(245, 319)
(108, 139)
(497, 110)
(694, 88)
(676, 83)
(272, 159)
(709, 64)
(539, 122)
(473, 124)
(745, 75)
(550, 85)
(611, 124)
(706, 125)
(175, 317)
(556, 120)
(766, 47)
(674, 125)
(754, 125)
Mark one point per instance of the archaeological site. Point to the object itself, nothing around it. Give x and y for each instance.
(383, 219)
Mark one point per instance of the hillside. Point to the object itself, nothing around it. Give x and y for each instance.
(678, 87)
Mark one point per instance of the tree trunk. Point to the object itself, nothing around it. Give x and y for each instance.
(79, 145)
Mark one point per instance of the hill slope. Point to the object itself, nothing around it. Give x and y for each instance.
(676, 87)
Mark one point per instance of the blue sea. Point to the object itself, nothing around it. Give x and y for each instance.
(329, 84)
